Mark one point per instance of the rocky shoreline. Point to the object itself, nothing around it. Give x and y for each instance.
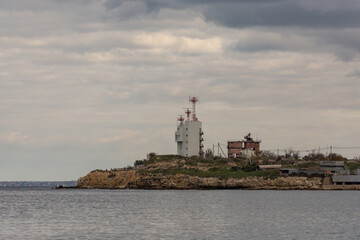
(189, 173)
(132, 179)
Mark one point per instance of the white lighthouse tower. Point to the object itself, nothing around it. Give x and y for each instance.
(189, 134)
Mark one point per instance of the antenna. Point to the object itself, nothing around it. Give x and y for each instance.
(188, 112)
(193, 100)
(181, 119)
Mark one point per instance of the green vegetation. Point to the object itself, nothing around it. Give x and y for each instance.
(336, 157)
(250, 168)
(353, 166)
(316, 156)
(192, 163)
(153, 158)
(235, 168)
(98, 170)
(216, 167)
(219, 172)
(306, 165)
(139, 162)
(209, 154)
(111, 175)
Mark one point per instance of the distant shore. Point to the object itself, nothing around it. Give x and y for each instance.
(36, 184)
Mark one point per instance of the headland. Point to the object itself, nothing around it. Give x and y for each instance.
(176, 172)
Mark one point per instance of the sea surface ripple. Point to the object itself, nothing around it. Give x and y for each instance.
(175, 214)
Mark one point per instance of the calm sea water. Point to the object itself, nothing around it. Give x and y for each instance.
(137, 214)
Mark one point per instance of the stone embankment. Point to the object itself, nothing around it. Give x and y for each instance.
(133, 179)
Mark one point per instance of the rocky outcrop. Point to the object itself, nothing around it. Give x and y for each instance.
(108, 179)
(135, 180)
(181, 181)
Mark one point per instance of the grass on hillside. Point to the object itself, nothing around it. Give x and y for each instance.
(192, 161)
(218, 172)
(218, 168)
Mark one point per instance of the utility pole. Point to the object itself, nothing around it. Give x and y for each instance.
(330, 152)
(327, 150)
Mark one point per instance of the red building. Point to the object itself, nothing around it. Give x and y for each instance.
(244, 148)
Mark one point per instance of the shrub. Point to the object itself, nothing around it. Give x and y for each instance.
(151, 156)
(209, 154)
(139, 162)
(98, 170)
(268, 154)
(234, 169)
(111, 175)
(353, 166)
(192, 163)
(214, 169)
(336, 157)
(314, 156)
(250, 168)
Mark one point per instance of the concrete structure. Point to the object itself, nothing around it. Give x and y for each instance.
(188, 135)
(343, 177)
(332, 166)
(292, 171)
(346, 179)
(265, 167)
(246, 148)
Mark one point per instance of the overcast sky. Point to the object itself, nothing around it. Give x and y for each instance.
(88, 84)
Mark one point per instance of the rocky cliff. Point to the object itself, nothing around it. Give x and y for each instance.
(108, 179)
(134, 180)
(192, 173)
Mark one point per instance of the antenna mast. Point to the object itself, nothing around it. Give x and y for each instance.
(181, 119)
(188, 112)
(193, 100)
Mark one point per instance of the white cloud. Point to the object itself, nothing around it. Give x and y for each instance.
(15, 138)
(179, 43)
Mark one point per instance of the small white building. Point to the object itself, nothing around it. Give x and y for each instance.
(188, 135)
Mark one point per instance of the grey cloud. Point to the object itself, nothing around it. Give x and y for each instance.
(125, 9)
(150, 5)
(39, 5)
(355, 73)
(342, 43)
(328, 28)
(345, 54)
(281, 14)
(157, 4)
(269, 13)
(110, 4)
(271, 41)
